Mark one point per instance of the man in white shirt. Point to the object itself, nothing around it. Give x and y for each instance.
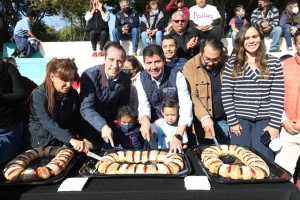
(206, 20)
(153, 85)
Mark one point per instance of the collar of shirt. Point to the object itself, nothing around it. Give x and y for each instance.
(159, 80)
(114, 79)
(180, 34)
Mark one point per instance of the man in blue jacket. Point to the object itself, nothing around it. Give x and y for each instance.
(126, 26)
(104, 88)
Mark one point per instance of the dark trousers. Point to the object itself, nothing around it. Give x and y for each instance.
(216, 31)
(250, 136)
(94, 38)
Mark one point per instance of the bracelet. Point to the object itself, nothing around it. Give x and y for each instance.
(178, 136)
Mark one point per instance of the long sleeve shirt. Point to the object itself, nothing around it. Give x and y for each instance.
(252, 97)
(272, 17)
(284, 24)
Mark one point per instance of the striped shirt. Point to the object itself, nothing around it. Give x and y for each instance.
(253, 98)
(272, 17)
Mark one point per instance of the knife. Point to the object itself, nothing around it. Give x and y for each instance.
(90, 154)
(214, 138)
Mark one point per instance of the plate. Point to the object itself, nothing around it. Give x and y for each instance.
(37, 163)
(277, 173)
(88, 169)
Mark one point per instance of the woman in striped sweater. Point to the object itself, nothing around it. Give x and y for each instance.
(253, 91)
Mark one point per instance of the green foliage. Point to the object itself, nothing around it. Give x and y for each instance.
(45, 33)
(73, 33)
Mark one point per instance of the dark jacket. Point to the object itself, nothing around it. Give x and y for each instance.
(43, 128)
(182, 51)
(12, 93)
(97, 23)
(157, 23)
(133, 20)
(177, 63)
(99, 102)
(156, 95)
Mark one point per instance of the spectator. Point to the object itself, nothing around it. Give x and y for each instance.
(187, 40)
(165, 129)
(126, 130)
(13, 93)
(126, 26)
(26, 42)
(267, 16)
(289, 135)
(290, 22)
(237, 22)
(252, 91)
(104, 88)
(97, 19)
(205, 19)
(133, 68)
(284, 57)
(54, 108)
(204, 75)
(155, 84)
(152, 24)
(169, 46)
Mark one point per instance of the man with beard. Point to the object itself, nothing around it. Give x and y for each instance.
(204, 74)
(127, 26)
(169, 46)
(267, 16)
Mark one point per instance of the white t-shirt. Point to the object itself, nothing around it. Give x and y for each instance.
(204, 16)
(165, 133)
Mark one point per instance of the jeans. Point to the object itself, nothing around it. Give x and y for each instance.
(133, 35)
(275, 35)
(287, 36)
(158, 38)
(233, 37)
(10, 141)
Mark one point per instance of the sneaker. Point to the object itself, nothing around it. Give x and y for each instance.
(275, 50)
(290, 49)
(15, 53)
(94, 54)
(134, 53)
(100, 54)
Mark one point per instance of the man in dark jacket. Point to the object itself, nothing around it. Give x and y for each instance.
(187, 40)
(126, 26)
(104, 88)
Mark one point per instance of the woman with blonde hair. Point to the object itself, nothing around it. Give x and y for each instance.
(97, 20)
(54, 107)
(252, 91)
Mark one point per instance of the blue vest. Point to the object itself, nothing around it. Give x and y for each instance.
(238, 22)
(156, 95)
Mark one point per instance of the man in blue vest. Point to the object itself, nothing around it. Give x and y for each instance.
(155, 84)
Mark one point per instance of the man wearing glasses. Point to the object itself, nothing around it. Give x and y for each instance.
(186, 40)
(204, 74)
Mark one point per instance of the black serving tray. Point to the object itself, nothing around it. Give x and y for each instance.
(277, 173)
(37, 163)
(88, 169)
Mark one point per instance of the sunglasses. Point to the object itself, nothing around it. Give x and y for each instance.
(177, 21)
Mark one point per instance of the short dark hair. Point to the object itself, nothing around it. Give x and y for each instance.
(135, 63)
(284, 57)
(128, 111)
(153, 49)
(115, 45)
(169, 102)
(169, 37)
(214, 43)
(238, 8)
(31, 13)
(297, 33)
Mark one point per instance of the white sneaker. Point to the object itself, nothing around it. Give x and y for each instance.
(290, 49)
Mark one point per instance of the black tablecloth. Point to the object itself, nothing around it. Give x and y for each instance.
(151, 188)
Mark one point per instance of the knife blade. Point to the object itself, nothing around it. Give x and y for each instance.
(93, 155)
(214, 138)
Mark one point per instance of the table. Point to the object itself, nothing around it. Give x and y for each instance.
(151, 188)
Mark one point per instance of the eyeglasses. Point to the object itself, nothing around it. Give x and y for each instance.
(177, 21)
(209, 60)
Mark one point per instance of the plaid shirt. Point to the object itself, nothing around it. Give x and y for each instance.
(272, 17)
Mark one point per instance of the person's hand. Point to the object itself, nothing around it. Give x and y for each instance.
(148, 31)
(146, 128)
(293, 30)
(176, 145)
(296, 125)
(192, 43)
(236, 130)
(39, 42)
(100, 6)
(107, 135)
(288, 126)
(208, 27)
(94, 7)
(152, 32)
(208, 125)
(264, 25)
(274, 132)
(201, 27)
(77, 144)
(267, 29)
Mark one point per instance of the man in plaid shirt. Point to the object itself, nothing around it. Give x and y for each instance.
(267, 16)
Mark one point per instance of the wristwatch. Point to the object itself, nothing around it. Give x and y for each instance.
(178, 136)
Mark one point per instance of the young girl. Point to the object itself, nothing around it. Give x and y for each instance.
(164, 129)
(126, 130)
